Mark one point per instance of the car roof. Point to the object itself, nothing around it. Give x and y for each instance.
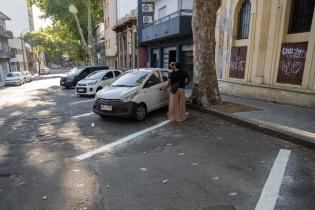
(147, 69)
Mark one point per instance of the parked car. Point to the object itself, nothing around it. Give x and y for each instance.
(76, 74)
(45, 70)
(96, 81)
(134, 94)
(14, 78)
(27, 76)
(55, 66)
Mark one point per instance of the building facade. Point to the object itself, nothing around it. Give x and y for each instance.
(127, 41)
(18, 61)
(5, 54)
(110, 40)
(100, 44)
(21, 16)
(165, 33)
(266, 50)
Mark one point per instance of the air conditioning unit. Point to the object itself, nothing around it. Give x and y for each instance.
(147, 19)
(147, 8)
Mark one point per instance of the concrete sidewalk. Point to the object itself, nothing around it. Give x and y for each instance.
(291, 123)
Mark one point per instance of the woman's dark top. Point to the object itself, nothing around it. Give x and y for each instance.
(175, 76)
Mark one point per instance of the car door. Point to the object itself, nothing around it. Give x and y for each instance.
(108, 78)
(152, 91)
(165, 93)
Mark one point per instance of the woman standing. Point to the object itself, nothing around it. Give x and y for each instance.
(177, 105)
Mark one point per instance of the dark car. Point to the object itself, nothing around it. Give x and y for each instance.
(76, 74)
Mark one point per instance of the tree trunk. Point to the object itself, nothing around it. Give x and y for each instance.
(91, 44)
(205, 90)
(39, 67)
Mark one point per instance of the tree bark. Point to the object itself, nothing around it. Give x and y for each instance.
(91, 45)
(205, 89)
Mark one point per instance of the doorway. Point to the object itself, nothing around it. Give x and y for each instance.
(171, 56)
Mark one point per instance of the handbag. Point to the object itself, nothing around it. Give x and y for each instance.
(174, 87)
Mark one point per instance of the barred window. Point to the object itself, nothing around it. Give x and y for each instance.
(301, 16)
(244, 20)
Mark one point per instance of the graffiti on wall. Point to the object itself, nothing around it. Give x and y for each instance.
(238, 62)
(292, 62)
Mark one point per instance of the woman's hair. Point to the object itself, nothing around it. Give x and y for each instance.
(178, 66)
(172, 64)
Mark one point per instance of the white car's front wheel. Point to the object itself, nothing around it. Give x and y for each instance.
(140, 112)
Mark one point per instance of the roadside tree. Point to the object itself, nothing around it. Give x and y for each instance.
(205, 90)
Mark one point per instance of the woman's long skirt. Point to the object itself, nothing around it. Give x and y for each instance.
(177, 106)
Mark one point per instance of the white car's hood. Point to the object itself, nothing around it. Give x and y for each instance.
(86, 81)
(111, 92)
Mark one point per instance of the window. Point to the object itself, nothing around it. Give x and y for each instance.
(117, 73)
(154, 79)
(244, 20)
(301, 16)
(109, 75)
(162, 12)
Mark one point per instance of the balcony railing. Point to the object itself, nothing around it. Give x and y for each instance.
(177, 24)
(169, 17)
(6, 34)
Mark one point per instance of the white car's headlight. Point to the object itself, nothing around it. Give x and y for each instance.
(129, 96)
(92, 83)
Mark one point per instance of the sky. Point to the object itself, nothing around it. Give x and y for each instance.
(125, 6)
(39, 22)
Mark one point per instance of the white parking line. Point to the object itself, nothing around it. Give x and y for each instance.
(83, 115)
(271, 189)
(121, 141)
(79, 102)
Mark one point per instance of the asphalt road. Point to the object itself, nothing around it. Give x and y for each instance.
(204, 163)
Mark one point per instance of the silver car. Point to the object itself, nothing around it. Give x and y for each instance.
(14, 78)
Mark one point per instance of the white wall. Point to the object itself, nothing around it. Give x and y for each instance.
(17, 11)
(110, 12)
(172, 6)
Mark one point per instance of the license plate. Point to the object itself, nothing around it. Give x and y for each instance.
(62, 83)
(80, 90)
(106, 108)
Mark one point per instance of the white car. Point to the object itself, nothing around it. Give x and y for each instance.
(27, 76)
(14, 78)
(134, 94)
(45, 70)
(96, 81)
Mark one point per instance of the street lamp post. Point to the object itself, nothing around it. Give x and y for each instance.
(73, 9)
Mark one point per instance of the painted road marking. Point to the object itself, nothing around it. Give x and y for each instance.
(121, 141)
(270, 193)
(83, 115)
(79, 102)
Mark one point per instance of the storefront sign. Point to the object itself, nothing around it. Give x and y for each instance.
(292, 62)
(238, 62)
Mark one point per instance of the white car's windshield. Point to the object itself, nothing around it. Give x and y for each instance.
(96, 75)
(13, 75)
(131, 79)
(75, 71)
(25, 73)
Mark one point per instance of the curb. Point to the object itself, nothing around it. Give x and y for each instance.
(271, 131)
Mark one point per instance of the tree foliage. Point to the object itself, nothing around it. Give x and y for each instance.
(65, 27)
(39, 43)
